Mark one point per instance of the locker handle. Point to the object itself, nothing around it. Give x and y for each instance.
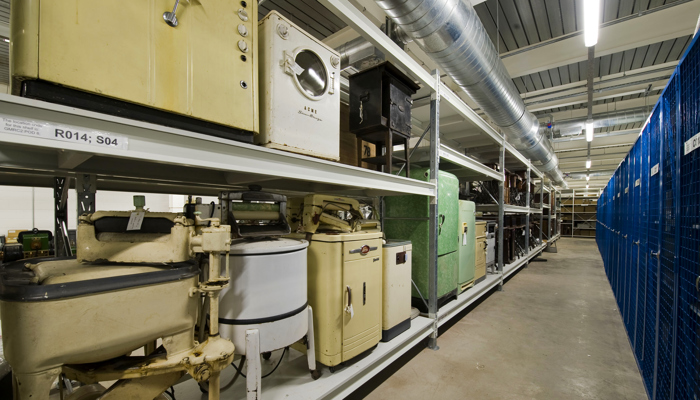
(624, 236)
(171, 17)
(655, 254)
(636, 242)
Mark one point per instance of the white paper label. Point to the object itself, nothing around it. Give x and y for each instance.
(63, 133)
(135, 221)
(654, 169)
(692, 144)
(637, 182)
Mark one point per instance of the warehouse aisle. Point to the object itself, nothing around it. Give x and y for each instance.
(554, 333)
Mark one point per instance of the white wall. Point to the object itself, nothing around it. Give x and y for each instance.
(16, 211)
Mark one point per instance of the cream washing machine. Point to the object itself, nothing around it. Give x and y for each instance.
(396, 288)
(299, 90)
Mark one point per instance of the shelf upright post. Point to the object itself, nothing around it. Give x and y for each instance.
(541, 206)
(501, 209)
(434, 225)
(527, 216)
(549, 220)
(85, 186)
(573, 211)
(61, 184)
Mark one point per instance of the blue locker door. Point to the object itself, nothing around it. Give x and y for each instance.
(667, 221)
(687, 375)
(653, 249)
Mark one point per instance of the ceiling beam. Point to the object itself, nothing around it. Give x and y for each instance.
(669, 23)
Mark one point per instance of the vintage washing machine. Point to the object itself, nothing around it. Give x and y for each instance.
(265, 306)
(467, 243)
(491, 227)
(192, 67)
(345, 275)
(299, 91)
(63, 315)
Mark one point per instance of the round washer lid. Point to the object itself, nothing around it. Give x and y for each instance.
(266, 246)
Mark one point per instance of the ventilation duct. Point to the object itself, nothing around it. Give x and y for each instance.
(575, 126)
(582, 175)
(450, 32)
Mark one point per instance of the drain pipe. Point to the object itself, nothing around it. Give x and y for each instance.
(451, 33)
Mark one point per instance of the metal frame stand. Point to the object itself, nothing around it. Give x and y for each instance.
(86, 186)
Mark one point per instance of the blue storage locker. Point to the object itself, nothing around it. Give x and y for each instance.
(687, 376)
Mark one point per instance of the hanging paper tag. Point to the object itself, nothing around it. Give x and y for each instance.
(135, 221)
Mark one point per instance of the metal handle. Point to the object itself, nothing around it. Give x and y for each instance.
(636, 242)
(655, 254)
(347, 308)
(171, 17)
(624, 236)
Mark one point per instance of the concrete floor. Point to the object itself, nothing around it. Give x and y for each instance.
(553, 333)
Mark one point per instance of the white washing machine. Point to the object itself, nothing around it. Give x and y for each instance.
(299, 84)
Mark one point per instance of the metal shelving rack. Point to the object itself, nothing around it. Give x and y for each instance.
(588, 211)
(165, 160)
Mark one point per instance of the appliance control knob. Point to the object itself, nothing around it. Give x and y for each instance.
(243, 15)
(243, 46)
(242, 30)
(335, 61)
(283, 31)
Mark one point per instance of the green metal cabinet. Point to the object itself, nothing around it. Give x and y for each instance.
(406, 218)
(467, 241)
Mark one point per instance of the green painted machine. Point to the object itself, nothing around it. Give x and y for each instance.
(467, 243)
(406, 218)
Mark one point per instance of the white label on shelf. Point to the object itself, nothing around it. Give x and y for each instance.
(637, 182)
(654, 169)
(63, 133)
(135, 221)
(692, 144)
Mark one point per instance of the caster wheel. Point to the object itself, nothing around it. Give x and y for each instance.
(332, 369)
(266, 355)
(315, 374)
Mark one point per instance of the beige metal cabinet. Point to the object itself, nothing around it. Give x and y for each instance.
(480, 252)
(396, 288)
(205, 67)
(345, 270)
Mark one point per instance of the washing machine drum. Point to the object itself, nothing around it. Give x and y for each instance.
(268, 281)
(314, 78)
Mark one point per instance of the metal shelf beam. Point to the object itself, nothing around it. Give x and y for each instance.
(179, 160)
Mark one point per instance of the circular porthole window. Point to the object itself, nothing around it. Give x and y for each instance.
(313, 81)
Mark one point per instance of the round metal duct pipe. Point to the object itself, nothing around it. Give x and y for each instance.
(450, 32)
(575, 126)
(582, 175)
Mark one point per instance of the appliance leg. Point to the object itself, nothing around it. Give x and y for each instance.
(215, 386)
(311, 347)
(35, 386)
(252, 351)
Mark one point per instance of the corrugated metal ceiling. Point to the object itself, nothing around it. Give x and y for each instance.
(624, 61)
(309, 15)
(522, 23)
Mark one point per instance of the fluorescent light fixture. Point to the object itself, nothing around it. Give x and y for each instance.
(589, 130)
(591, 18)
(588, 164)
(588, 177)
